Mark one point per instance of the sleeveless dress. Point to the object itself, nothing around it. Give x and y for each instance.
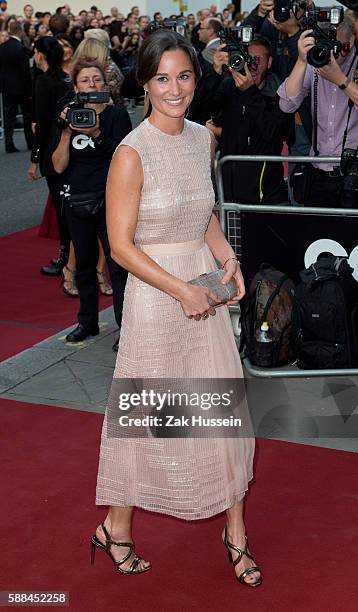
(189, 478)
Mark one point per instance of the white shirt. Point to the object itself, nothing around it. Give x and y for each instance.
(214, 40)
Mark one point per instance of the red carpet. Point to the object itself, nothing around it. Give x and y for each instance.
(29, 298)
(301, 518)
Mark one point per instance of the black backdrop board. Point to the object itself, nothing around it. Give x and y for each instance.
(283, 240)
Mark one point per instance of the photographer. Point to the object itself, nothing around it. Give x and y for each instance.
(334, 111)
(283, 31)
(208, 32)
(84, 156)
(252, 124)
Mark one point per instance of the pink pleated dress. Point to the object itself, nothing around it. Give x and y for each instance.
(189, 478)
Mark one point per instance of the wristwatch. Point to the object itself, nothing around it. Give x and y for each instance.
(345, 84)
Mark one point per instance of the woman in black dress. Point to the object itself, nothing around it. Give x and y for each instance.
(50, 86)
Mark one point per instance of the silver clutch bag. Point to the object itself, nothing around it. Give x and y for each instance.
(212, 280)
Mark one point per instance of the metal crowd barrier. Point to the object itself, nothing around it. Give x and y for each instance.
(290, 371)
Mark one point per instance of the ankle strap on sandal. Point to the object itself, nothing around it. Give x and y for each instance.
(109, 540)
(241, 552)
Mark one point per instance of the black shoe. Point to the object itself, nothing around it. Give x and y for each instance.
(61, 260)
(81, 332)
(11, 149)
(52, 270)
(116, 345)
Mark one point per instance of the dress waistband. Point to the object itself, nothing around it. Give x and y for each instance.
(173, 248)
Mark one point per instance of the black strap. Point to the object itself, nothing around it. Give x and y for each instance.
(315, 110)
(350, 105)
(272, 297)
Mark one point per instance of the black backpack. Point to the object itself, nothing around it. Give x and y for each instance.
(270, 298)
(325, 315)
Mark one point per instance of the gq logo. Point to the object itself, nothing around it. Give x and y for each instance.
(326, 245)
(81, 141)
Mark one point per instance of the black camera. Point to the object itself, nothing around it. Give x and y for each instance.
(237, 41)
(176, 25)
(79, 116)
(283, 8)
(325, 37)
(349, 169)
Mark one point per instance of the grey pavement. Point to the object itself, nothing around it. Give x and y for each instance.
(22, 202)
(57, 373)
(315, 411)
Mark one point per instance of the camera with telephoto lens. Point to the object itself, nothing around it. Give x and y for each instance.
(176, 25)
(283, 8)
(349, 169)
(237, 41)
(79, 116)
(325, 36)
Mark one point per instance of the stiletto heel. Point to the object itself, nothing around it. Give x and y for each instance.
(133, 568)
(241, 553)
(93, 552)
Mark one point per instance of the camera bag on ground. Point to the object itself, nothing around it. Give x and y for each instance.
(325, 315)
(270, 298)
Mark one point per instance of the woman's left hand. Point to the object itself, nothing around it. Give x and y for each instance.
(233, 270)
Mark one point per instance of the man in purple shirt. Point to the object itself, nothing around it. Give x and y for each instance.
(337, 108)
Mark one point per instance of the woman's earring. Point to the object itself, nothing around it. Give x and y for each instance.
(145, 94)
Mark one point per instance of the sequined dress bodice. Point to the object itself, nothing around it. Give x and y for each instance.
(177, 196)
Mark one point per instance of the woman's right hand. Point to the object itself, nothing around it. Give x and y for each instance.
(194, 302)
(32, 172)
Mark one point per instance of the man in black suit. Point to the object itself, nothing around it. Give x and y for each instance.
(15, 85)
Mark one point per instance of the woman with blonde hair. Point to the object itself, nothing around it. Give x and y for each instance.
(94, 48)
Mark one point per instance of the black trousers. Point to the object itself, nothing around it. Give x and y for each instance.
(325, 190)
(11, 104)
(54, 184)
(84, 233)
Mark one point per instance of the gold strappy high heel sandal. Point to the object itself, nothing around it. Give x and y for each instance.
(103, 284)
(241, 553)
(71, 289)
(133, 568)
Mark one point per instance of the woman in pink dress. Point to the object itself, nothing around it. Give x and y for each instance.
(161, 229)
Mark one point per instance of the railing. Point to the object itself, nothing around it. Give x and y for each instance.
(290, 371)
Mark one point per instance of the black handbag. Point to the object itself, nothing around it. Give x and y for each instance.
(85, 205)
